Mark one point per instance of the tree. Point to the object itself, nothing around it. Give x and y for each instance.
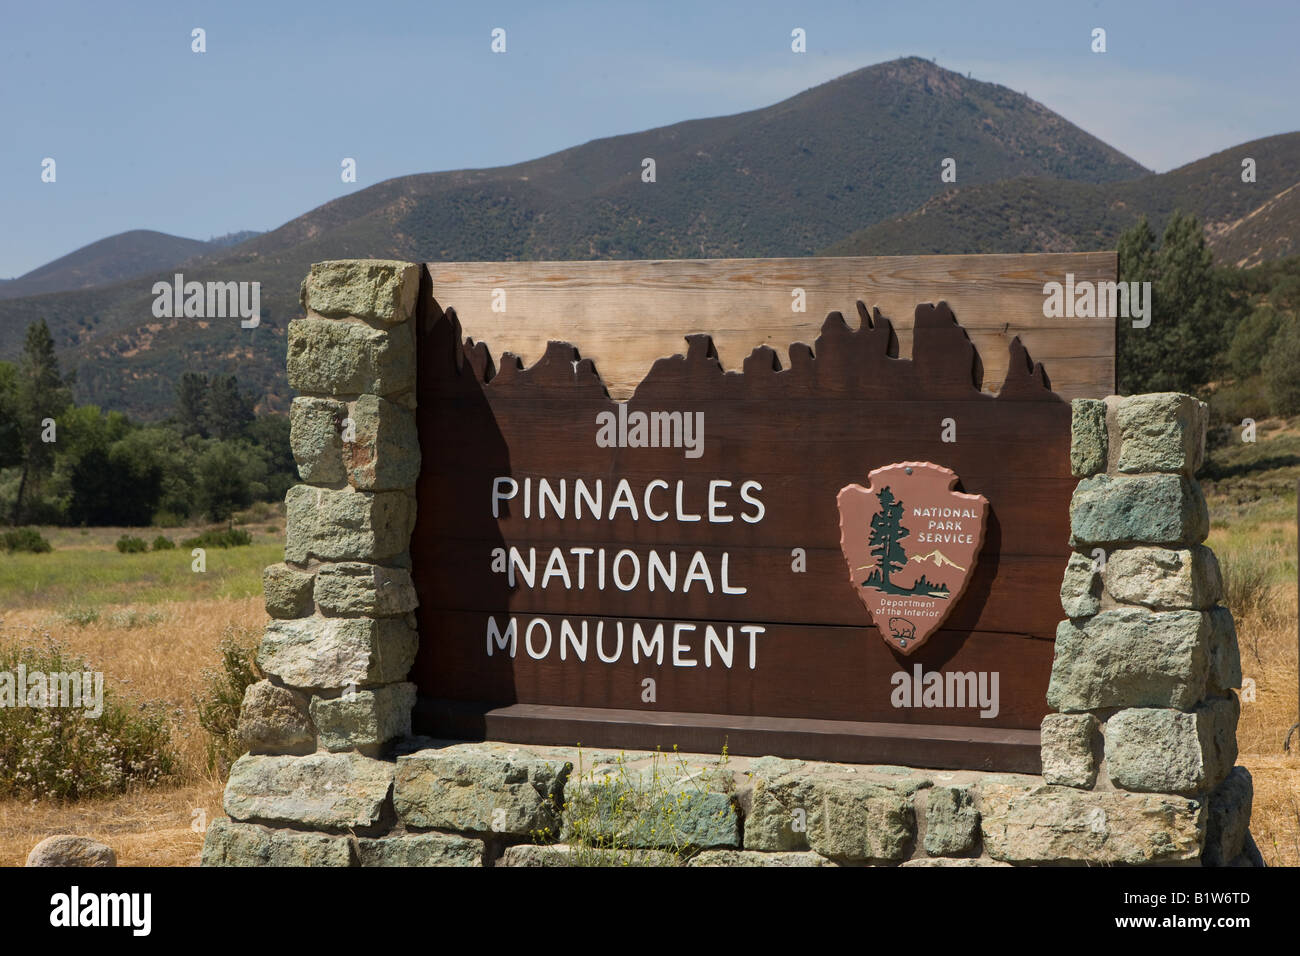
(270, 433)
(192, 404)
(1191, 309)
(228, 411)
(222, 482)
(1252, 339)
(1282, 370)
(10, 445)
(41, 395)
(886, 532)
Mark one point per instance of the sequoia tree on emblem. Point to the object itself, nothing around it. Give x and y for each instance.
(911, 543)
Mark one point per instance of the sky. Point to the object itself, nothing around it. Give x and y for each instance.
(148, 134)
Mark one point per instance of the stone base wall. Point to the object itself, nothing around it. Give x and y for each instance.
(440, 803)
(1138, 758)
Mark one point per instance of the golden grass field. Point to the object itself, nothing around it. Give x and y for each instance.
(161, 650)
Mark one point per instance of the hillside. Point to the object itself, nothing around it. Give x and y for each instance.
(1034, 214)
(123, 256)
(1270, 232)
(784, 180)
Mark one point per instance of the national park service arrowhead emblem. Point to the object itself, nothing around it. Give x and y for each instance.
(911, 544)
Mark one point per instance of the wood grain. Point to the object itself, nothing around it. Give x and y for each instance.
(627, 314)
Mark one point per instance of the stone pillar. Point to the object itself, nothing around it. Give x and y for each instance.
(1147, 661)
(343, 635)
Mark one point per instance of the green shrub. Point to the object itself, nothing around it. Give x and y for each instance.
(1246, 577)
(25, 539)
(163, 544)
(129, 617)
(221, 693)
(129, 544)
(64, 752)
(635, 817)
(79, 616)
(167, 519)
(230, 538)
(1245, 398)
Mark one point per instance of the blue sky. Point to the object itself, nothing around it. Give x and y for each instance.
(250, 134)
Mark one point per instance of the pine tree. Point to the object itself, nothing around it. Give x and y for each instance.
(1191, 305)
(886, 532)
(41, 394)
(228, 410)
(192, 404)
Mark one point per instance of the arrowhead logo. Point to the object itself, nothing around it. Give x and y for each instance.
(911, 543)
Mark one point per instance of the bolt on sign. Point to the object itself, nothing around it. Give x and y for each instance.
(848, 555)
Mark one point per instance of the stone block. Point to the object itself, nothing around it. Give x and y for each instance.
(315, 437)
(275, 719)
(481, 788)
(650, 808)
(364, 720)
(1159, 750)
(1069, 749)
(385, 452)
(952, 823)
(1228, 823)
(317, 792)
(1039, 824)
(1130, 657)
(227, 843)
(561, 854)
(1140, 509)
(1162, 431)
(384, 290)
(334, 653)
(356, 589)
(838, 814)
(345, 358)
(1225, 654)
(346, 525)
(420, 849)
(1088, 440)
(287, 591)
(1080, 587)
(747, 858)
(1164, 579)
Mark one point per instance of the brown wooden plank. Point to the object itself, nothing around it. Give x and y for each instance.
(935, 746)
(831, 673)
(627, 314)
(799, 512)
(1011, 593)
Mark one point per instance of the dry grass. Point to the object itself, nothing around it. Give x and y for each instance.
(1268, 641)
(144, 828)
(162, 660)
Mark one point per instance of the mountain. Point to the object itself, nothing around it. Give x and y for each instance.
(123, 256)
(1270, 232)
(938, 559)
(1243, 221)
(784, 180)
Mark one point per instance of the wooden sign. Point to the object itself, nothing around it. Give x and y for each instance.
(627, 314)
(910, 582)
(669, 570)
